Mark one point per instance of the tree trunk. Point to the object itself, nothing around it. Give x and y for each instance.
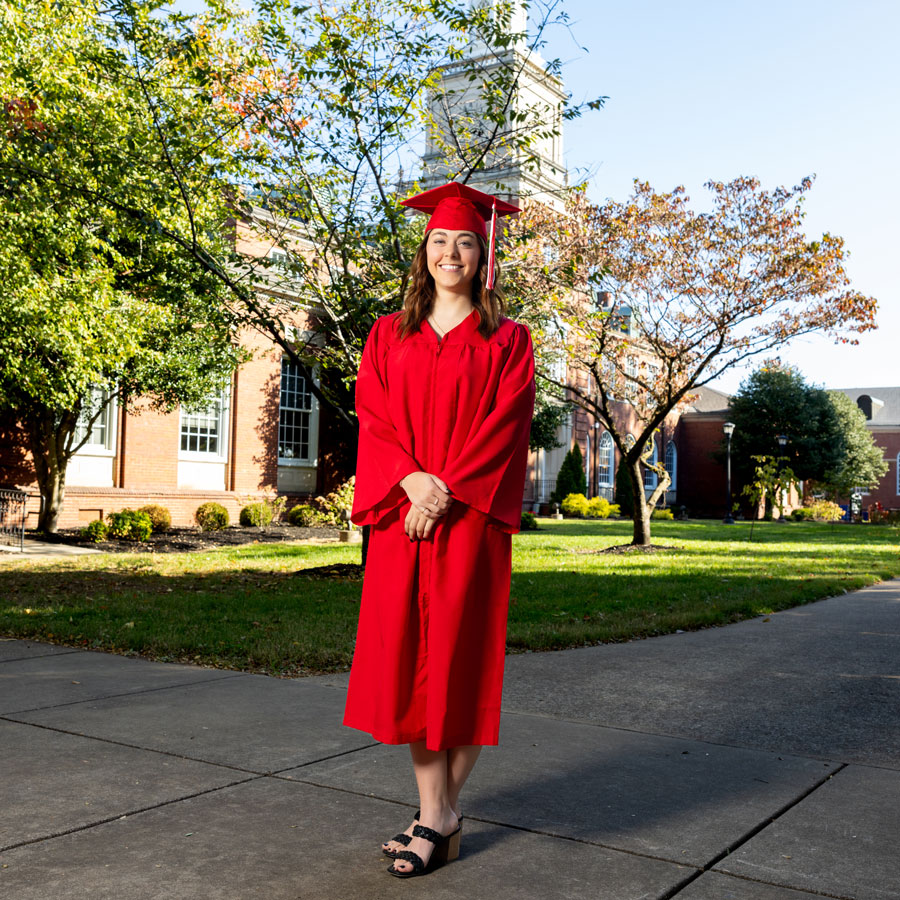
(49, 438)
(641, 514)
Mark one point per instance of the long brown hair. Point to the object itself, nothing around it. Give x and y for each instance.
(419, 299)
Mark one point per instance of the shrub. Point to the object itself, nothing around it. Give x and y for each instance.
(529, 522)
(802, 514)
(305, 516)
(211, 517)
(130, 525)
(825, 511)
(571, 478)
(95, 531)
(160, 517)
(601, 508)
(331, 505)
(665, 514)
(259, 514)
(575, 505)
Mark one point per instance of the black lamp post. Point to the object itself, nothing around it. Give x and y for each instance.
(728, 428)
(595, 482)
(782, 443)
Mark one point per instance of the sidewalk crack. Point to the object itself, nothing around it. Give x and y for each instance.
(737, 844)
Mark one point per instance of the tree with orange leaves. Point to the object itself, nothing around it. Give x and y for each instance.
(651, 300)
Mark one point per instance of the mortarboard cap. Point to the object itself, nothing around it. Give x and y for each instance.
(462, 208)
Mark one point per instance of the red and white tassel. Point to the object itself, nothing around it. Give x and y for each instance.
(491, 248)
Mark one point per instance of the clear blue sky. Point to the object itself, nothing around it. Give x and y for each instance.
(779, 90)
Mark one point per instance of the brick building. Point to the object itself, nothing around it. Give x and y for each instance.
(881, 407)
(258, 437)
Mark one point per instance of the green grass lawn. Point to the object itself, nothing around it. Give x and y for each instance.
(253, 608)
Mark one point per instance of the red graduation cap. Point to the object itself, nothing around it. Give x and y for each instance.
(462, 208)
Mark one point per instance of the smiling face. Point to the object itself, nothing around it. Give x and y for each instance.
(453, 259)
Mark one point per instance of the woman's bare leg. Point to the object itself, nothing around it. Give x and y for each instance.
(432, 773)
(460, 762)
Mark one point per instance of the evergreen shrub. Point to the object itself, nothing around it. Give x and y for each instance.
(575, 505)
(130, 525)
(211, 517)
(160, 517)
(529, 522)
(571, 478)
(256, 514)
(95, 531)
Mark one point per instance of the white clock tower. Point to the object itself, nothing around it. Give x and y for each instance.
(457, 107)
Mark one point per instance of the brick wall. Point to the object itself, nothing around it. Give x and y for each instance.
(701, 483)
(886, 492)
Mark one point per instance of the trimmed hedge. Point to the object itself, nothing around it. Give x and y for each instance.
(211, 517)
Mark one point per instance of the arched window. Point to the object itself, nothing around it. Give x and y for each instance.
(672, 464)
(650, 477)
(605, 460)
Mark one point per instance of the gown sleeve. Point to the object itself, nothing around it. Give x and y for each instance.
(489, 473)
(381, 461)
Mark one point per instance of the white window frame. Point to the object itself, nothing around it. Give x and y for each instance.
(654, 478)
(220, 455)
(108, 421)
(898, 474)
(631, 372)
(606, 446)
(313, 427)
(672, 464)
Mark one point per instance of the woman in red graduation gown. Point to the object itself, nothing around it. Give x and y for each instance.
(445, 397)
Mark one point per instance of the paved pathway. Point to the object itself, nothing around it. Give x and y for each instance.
(760, 761)
(33, 547)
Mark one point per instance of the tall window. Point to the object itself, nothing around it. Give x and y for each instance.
(101, 435)
(898, 474)
(203, 428)
(605, 461)
(631, 368)
(295, 413)
(650, 477)
(672, 464)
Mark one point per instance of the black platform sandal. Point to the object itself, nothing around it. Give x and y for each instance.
(446, 849)
(404, 838)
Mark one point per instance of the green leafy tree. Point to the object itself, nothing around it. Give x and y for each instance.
(571, 478)
(772, 480)
(862, 463)
(307, 115)
(96, 296)
(776, 400)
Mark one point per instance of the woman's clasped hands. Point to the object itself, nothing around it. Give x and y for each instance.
(429, 498)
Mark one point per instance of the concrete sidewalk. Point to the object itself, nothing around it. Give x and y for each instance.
(760, 761)
(32, 547)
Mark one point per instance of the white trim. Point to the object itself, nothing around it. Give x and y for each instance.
(312, 460)
(673, 471)
(606, 445)
(109, 420)
(220, 455)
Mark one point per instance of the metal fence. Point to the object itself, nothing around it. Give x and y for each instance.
(539, 491)
(12, 518)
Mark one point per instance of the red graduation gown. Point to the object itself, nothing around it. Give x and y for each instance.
(428, 663)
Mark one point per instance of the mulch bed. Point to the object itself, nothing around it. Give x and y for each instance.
(181, 540)
(340, 571)
(621, 549)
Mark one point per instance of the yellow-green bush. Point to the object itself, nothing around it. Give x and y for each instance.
(601, 508)
(662, 514)
(575, 505)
